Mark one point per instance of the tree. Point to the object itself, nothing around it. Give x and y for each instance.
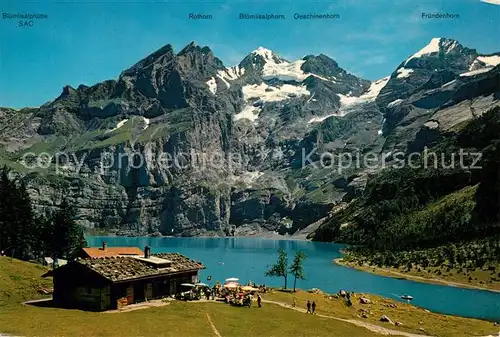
(280, 268)
(67, 235)
(5, 210)
(43, 238)
(25, 235)
(297, 269)
(451, 254)
(16, 218)
(488, 192)
(22, 223)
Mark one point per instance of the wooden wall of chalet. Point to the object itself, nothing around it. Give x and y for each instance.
(139, 290)
(78, 287)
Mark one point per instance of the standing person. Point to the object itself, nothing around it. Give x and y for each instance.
(217, 290)
(348, 300)
(313, 306)
(259, 300)
(308, 307)
(294, 302)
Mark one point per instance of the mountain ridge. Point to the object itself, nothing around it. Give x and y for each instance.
(169, 48)
(266, 110)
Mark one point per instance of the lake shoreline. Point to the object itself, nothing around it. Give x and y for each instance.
(264, 235)
(300, 235)
(249, 258)
(361, 318)
(399, 275)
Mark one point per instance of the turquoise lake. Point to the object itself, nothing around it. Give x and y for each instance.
(248, 259)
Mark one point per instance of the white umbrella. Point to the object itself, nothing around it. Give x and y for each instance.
(232, 279)
(231, 285)
(202, 284)
(249, 288)
(187, 285)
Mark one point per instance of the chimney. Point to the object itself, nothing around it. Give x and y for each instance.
(147, 252)
(104, 245)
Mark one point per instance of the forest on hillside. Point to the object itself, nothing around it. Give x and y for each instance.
(427, 209)
(27, 235)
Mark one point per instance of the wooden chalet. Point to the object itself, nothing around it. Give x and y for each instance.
(105, 283)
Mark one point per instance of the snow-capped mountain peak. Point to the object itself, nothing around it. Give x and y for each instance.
(449, 45)
(431, 47)
(285, 71)
(271, 66)
(267, 54)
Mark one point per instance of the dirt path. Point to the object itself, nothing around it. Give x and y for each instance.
(372, 327)
(216, 332)
(385, 271)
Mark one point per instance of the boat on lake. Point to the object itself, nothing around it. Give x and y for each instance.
(407, 297)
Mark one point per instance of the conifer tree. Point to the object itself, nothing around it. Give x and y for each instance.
(67, 235)
(23, 230)
(5, 199)
(280, 268)
(488, 192)
(297, 268)
(24, 235)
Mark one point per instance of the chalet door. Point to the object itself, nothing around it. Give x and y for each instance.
(139, 292)
(130, 294)
(105, 298)
(172, 287)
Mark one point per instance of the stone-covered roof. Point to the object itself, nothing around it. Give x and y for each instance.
(124, 268)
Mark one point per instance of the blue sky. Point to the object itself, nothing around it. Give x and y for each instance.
(91, 41)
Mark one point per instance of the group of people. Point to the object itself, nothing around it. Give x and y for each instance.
(218, 291)
(209, 293)
(262, 287)
(311, 306)
(347, 296)
(243, 298)
(235, 295)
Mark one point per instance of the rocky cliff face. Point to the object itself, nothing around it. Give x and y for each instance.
(180, 144)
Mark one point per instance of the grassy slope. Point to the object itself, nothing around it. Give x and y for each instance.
(20, 279)
(414, 319)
